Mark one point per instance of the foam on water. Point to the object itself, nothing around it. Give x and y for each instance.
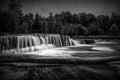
(54, 52)
(103, 49)
(46, 45)
(31, 43)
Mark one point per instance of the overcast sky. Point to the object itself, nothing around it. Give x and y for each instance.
(96, 7)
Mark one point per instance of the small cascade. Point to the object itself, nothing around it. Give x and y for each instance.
(36, 42)
(74, 42)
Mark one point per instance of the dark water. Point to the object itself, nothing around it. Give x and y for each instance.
(63, 72)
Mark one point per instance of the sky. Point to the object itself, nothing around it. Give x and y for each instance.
(44, 7)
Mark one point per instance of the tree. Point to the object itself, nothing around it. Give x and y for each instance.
(28, 18)
(65, 23)
(15, 7)
(114, 30)
(94, 30)
(24, 28)
(104, 23)
(90, 18)
(37, 24)
(15, 11)
(81, 29)
(82, 19)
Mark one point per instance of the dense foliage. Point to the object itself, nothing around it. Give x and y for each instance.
(13, 21)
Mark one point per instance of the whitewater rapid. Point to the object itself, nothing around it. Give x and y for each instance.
(45, 45)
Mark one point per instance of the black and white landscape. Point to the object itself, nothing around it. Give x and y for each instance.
(59, 40)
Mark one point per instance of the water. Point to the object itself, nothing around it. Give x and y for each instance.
(36, 42)
(60, 52)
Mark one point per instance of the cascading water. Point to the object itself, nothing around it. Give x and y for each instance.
(36, 42)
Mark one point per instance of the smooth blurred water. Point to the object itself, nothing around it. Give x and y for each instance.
(30, 43)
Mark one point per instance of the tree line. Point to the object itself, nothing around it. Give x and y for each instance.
(13, 21)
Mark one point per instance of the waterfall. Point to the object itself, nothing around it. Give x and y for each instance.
(35, 42)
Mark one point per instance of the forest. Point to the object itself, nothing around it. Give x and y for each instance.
(14, 21)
